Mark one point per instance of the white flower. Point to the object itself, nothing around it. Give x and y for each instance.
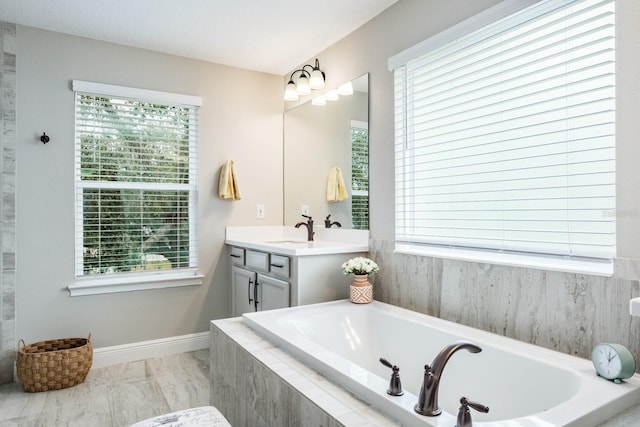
(359, 265)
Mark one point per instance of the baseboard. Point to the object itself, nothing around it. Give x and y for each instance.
(106, 356)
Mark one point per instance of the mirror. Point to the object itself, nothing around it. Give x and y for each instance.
(319, 138)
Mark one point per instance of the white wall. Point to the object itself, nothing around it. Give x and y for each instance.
(240, 119)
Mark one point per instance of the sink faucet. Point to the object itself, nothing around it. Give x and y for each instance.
(309, 225)
(328, 223)
(428, 399)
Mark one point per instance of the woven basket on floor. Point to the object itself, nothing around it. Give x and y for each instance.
(53, 364)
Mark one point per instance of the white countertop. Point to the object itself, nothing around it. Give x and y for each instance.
(292, 241)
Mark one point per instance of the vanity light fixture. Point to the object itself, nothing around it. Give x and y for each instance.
(307, 81)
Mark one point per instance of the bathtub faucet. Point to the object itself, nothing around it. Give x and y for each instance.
(428, 399)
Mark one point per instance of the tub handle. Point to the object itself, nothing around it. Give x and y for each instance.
(464, 415)
(395, 385)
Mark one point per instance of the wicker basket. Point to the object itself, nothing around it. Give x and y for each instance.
(54, 364)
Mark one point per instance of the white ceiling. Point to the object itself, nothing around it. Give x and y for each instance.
(272, 36)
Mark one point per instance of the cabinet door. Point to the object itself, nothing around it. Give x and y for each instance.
(243, 284)
(272, 293)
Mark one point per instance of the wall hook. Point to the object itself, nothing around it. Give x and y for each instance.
(44, 138)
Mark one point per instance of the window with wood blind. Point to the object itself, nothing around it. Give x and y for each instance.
(359, 175)
(136, 186)
(505, 138)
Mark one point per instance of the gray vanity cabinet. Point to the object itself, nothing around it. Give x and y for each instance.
(285, 280)
(255, 281)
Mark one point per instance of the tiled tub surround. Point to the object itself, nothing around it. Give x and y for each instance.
(255, 383)
(566, 312)
(523, 384)
(7, 201)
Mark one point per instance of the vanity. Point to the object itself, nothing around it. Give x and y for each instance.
(276, 267)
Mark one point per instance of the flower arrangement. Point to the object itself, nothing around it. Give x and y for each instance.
(359, 265)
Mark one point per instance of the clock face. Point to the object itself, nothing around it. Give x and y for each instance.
(607, 361)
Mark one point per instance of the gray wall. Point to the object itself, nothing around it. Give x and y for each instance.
(568, 312)
(7, 201)
(240, 119)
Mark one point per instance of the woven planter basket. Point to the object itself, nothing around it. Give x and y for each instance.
(53, 364)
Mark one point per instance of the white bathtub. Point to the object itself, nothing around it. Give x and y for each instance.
(523, 385)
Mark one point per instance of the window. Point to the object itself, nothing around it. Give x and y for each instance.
(505, 138)
(136, 187)
(359, 175)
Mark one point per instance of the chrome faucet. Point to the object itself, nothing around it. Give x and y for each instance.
(428, 399)
(328, 223)
(309, 225)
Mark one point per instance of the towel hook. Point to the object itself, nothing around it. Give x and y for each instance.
(44, 138)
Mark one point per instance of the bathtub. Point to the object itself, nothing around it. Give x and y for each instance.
(523, 384)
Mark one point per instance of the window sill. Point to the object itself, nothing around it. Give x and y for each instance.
(134, 282)
(541, 262)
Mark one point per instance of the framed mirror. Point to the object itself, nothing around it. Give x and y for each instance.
(323, 143)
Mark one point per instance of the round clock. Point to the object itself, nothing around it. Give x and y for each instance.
(613, 361)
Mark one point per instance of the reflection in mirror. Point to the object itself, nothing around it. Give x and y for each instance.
(319, 138)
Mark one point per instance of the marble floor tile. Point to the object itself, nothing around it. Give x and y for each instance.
(117, 395)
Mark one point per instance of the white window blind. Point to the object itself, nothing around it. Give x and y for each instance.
(505, 136)
(136, 181)
(359, 175)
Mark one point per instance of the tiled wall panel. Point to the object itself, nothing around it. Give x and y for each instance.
(566, 312)
(7, 201)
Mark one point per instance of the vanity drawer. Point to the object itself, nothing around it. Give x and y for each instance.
(257, 260)
(237, 255)
(279, 265)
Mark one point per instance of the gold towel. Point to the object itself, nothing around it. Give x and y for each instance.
(228, 186)
(336, 190)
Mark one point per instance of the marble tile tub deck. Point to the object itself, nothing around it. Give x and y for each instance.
(117, 395)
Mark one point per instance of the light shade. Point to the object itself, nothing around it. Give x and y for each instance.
(316, 80)
(303, 87)
(290, 93)
(345, 89)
